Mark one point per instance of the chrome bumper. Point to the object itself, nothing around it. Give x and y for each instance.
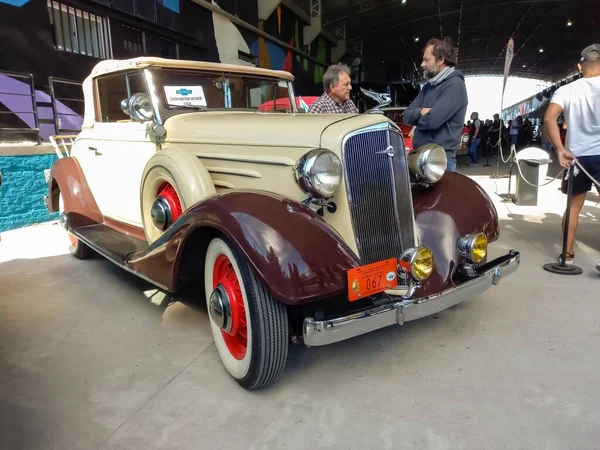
(325, 332)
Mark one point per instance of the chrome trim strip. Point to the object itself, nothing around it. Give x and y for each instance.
(292, 95)
(397, 225)
(271, 161)
(234, 171)
(376, 127)
(400, 179)
(326, 332)
(223, 184)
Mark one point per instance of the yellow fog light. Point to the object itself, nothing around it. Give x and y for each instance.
(417, 261)
(473, 246)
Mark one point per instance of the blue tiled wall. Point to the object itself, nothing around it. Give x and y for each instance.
(23, 189)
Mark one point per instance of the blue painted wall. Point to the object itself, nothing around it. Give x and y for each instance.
(23, 189)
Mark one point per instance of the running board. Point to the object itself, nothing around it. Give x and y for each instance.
(109, 242)
(114, 246)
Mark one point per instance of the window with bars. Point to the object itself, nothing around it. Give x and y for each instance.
(134, 40)
(78, 31)
(169, 49)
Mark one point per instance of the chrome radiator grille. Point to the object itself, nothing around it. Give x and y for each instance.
(379, 196)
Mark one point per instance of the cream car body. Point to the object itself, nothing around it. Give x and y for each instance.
(301, 227)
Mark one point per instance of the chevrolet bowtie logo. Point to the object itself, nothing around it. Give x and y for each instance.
(183, 91)
(390, 151)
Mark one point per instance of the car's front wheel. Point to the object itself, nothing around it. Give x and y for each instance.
(249, 327)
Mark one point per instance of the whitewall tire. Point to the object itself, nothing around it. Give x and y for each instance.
(254, 346)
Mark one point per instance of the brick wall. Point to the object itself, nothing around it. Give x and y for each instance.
(23, 189)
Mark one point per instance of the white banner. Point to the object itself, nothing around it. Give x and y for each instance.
(510, 50)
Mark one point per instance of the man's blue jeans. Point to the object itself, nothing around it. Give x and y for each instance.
(451, 165)
(473, 149)
(514, 138)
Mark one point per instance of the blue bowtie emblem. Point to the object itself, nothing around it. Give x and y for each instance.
(183, 91)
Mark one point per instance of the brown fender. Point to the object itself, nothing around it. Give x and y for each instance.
(67, 178)
(453, 207)
(298, 257)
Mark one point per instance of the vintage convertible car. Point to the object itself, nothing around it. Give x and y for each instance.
(302, 228)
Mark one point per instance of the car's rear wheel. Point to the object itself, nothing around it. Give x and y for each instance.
(77, 248)
(249, 327)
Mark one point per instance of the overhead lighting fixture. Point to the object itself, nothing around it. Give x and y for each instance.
(569, 23)
(541, 50)
(417, 39)
(524, 65)
(403, 2)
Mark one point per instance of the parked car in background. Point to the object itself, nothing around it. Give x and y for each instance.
(300, 228)
(284, 105)
(396, 115)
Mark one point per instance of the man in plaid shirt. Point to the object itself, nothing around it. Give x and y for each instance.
(336, 98)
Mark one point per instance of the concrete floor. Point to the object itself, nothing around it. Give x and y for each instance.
(90, 358)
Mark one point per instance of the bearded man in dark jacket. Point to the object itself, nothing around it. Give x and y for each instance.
(439, 110)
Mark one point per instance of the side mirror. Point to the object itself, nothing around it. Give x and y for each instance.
(138, 107)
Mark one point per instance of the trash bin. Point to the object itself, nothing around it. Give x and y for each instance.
(533, 164)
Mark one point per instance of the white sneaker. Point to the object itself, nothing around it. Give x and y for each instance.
(569, 260)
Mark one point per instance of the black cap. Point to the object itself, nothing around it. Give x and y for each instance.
(591, 53)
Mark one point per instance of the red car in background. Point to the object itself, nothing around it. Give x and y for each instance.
(396, 114)
(284, 105)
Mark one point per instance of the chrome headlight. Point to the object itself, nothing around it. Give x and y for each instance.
(473, 247)
(428, 162)
(319, 173)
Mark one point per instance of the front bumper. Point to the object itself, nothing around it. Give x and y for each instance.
(325, 332)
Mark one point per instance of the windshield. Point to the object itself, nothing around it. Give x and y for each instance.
(183, 90)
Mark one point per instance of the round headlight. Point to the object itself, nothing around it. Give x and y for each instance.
(473, 247)
(319, 173)
(421, 262)
(428, 162)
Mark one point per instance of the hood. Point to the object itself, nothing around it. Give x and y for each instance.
(250, 128)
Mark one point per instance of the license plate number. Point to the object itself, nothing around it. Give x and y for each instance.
(372, 279)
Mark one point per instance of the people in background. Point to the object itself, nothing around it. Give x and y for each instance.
(579, 101)
(475, 138)
(526, 135)
(544, 138)
(439, 109)
(515, 127)
(336, 96)
(496, 131)
(485, 138)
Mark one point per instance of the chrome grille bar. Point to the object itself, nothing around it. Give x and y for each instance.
(379, 196)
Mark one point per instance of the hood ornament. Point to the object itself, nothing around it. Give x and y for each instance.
(382, 100)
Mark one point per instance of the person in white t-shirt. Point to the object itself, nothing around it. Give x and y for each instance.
(579, 102)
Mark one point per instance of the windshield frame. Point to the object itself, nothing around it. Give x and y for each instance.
(163, 111)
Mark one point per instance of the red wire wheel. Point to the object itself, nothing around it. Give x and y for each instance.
(237, 339)
(169, 193)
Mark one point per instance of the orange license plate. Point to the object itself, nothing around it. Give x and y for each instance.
(372, 279)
